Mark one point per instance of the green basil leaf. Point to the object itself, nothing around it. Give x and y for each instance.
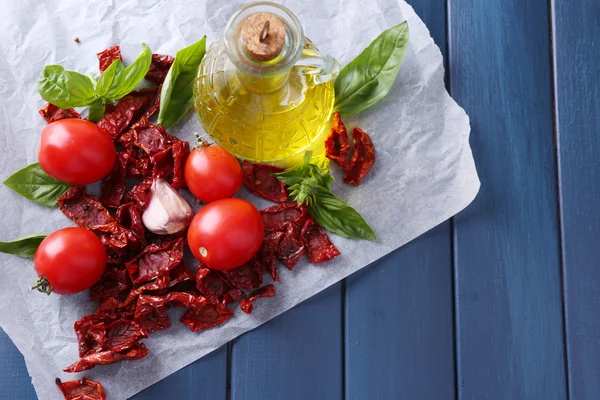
(23, 247)
(34, 184)
(176, 95)
(96, 110)
(65, 89)
(126, 79)
(336, 216)
(109, 78)
(369, 77)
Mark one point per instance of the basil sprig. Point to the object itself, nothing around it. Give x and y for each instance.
(369, 77)
(176, 95)
(68, 89)
(23, 247)
(34, 184)
(311, 185)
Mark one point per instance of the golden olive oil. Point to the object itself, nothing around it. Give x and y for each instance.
(272, 120)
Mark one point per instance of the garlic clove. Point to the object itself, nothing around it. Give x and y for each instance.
(166, 212)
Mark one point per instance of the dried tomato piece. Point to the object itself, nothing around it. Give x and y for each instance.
(113, 309)
(91, 333)
(129, 217)
(159, 67)
(158, 284)
(117, 118)
(318, 246)
(259, 180)
(363, 157)
(183, 299)
(206, 316)
(87, 212)
(268, 253)
(108, 56)
(153, 96)
(123, 334)
(246, 277)
(277, 217)
(139, 165)
(211, 284)
(182, 279)
(151, 313)
(52, 113)
(106, 357)
(265, 291)
(81, 389)
(232, 296)
(337, 145)
(113, 185)
(155, 260)
(150, 138)
(113, 283)
(138, 195)
(291, 248)
(168, 164)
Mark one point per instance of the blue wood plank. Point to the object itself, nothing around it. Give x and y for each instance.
(296, 356)
(204, 379)
(399, 311)
(507, 263)
(577, 72)
(14, 378)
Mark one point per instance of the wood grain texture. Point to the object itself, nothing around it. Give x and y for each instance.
(206, 378)
(296, 356)
(14, 379)
(399, 312)
(508, 294)
(577, 77)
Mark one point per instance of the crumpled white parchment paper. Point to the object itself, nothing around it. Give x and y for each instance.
(424, 172)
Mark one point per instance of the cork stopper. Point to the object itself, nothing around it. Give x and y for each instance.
(263, 35)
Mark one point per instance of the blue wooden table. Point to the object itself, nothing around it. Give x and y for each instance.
(502, 302)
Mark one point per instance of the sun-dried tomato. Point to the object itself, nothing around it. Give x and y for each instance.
(52, 113)
(151, 313)
(268, 253)
(246, 277)
(114, 309)
(91, 333)
(181, 279)
(81, 389)
(232, 296)
(138, 195)
(184, 299)
(129, 217)
(155, 260)
(106, 357)
(113, 283)
(117, 118)
(206, 315)
(318, 246)
(107, 57)
(211, 284)
(259, 180)
(150, 138)
(123, 334)
(246, 304)
(277, 217)
(291, 247)
(89, 213)
(168, 164)
(363, 157)
(337, 145)
(153, 96)
(158, 284)
(113, 185)
(139, 165)
(159, 67)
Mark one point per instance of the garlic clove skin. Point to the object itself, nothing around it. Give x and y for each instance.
(167, 212)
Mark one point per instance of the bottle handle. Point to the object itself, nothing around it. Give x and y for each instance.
(326, 68)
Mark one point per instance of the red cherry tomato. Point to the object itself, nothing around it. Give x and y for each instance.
(71, 260)
(212, 173)
(226, 234)
(76, 151)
